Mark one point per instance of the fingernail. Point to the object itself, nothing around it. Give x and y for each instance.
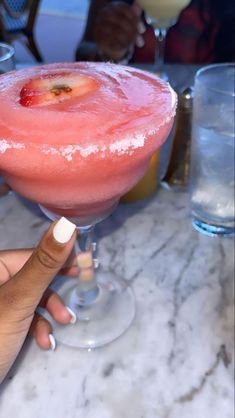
(52, 342)
(139, 41)
(72, 314)
(63, 230)
(141, 27)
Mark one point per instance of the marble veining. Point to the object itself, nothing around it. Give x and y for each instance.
(176, 361)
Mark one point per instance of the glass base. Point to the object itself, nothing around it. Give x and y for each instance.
(102, 319)
(211, 229)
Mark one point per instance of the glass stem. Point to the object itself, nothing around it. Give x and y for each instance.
(87, 289)
(160, 34)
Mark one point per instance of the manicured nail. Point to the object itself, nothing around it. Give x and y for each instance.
(141, 27)
(63, 230)
(52, 342)
(139, 41)
(72, 314)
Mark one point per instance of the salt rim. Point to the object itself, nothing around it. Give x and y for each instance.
(6, 144)
(121, 146)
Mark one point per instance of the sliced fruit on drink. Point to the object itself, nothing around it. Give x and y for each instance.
(53, 88)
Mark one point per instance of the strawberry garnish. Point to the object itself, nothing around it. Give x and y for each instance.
(54, 88)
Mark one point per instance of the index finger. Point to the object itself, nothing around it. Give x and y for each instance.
(11, 261)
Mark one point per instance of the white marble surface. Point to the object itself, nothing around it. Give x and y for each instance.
(176, 361)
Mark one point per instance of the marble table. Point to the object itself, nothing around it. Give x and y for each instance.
(176, 361)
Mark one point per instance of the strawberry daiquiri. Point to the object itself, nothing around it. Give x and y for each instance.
(75, 138)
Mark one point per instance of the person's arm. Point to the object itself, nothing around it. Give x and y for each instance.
(110, 31)
(87, 49)
(24, 279)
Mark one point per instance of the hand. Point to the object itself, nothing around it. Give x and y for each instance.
(115, 30)
(24, 279)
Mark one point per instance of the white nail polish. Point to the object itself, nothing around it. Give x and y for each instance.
(73, 316)
(52, 341)
(63, 230)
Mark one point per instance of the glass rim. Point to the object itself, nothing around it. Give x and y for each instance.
(9, 51)
(204, 69)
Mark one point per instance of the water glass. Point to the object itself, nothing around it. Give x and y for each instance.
(7, 61)
(212, 151)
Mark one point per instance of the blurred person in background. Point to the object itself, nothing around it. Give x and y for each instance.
(117, 31)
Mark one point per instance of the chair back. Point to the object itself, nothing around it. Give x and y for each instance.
(15, 8)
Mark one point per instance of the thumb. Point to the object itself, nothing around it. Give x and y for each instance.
(26, 288)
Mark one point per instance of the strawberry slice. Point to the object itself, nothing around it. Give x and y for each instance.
(54, 88)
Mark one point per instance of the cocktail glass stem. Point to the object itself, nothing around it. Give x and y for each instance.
(103, 305)
(87, 289)
(160, 34)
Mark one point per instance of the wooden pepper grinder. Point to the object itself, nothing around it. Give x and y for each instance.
(178, 169)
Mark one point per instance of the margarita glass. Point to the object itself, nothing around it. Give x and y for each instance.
(75, 138)
(162, 14)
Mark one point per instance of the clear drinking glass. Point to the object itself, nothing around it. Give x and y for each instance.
(97, 297)
(7, 58)
(212, 153)
(162, 14)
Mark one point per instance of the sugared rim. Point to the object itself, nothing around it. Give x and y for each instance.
(126, 143)
(174, 97)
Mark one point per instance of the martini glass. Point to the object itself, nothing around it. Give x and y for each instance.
(75, 138)
(162, 14)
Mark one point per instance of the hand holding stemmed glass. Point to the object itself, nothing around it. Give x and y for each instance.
(162, 14)
(76, 137)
